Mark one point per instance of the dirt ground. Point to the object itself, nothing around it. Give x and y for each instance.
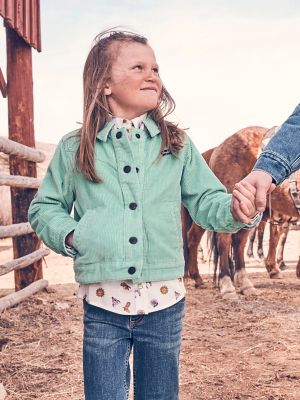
(248, 349)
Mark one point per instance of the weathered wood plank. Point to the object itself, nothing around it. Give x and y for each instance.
(16, 298)
(11, 147)
(14, 230)
(22, 262)
(21, 130)
(19, 181)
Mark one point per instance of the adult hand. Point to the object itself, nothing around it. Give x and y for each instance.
(243, 202)
(262, 182)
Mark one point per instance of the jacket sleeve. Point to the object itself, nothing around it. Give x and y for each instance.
(204, 195)
(281, 156)
(49, 211)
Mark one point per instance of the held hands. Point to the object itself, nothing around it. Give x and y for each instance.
(262, 182)
(243, 202)
(250, 194)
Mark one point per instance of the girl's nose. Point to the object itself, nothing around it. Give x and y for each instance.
(151, 75)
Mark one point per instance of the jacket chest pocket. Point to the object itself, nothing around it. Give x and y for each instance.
(99, 236)
(163, 232)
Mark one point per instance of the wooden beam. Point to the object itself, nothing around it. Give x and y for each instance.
(22, 262)
(21, 130)
(20, 150)
(14, 230)
(19, 181)
(16, 298)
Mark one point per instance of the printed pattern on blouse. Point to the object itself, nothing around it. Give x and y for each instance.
(125, 297)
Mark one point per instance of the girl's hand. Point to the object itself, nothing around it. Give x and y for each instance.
(69, 239)
(243, 202)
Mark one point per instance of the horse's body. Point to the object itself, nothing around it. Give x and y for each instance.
(231, 162)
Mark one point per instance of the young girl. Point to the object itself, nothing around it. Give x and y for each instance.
(126, 172)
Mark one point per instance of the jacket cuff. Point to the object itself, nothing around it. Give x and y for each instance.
(274, 165)
(233, 225)
(69, 226)
(254, 221)
(70, 251)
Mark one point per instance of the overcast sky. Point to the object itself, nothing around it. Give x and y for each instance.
(228, 64)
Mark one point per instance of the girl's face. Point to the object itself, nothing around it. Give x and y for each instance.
(134, 86)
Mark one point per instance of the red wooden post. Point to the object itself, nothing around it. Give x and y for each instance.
(21, 129)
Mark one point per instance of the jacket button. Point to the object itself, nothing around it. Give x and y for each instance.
(127, 169)
(119, 135)
(137, 169)
(138, 135)
(132, 206)
(131, 270)
(133, 240)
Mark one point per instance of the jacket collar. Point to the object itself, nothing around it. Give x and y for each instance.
(149, 123)
(151, 126)
(102, 135)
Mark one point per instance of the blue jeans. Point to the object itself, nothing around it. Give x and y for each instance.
(107, 343)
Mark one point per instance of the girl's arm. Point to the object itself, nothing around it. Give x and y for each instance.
(205, 196)
(49, 211)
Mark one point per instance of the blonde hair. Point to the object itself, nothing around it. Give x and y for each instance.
(96, 111)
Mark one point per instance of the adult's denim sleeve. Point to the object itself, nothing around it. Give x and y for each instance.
(281, 156)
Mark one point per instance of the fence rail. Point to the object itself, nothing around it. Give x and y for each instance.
(15, 298)
(23, 228)
(22, 262)
(11, 147)
(19, 181)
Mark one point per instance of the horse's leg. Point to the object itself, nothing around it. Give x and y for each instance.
(194, 236)
(260, 238)
(200, 250)
(270, 263)
(279, 259)
(251, 241)
(226, 286)
(298, 268)
(241, 279)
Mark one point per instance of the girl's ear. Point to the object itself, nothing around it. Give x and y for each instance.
(107, 90)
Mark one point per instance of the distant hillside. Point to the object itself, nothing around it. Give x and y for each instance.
(5, 211)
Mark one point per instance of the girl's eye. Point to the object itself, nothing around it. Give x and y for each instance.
(156, 71)
(138, 67)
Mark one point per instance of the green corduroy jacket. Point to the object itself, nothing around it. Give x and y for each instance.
(128, 226)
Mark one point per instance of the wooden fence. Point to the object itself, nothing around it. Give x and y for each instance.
(30, 154)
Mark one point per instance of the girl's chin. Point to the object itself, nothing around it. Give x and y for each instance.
(149, 105)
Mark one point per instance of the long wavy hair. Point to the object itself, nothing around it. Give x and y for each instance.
(96, 111)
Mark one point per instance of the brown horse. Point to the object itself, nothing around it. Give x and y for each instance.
(278, 234)
(231, 162)
(280, 225)
(192, 234)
